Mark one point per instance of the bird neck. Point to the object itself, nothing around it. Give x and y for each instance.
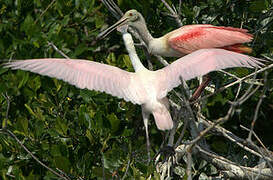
(142, 29)
(129, 44)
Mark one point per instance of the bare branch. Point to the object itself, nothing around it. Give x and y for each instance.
(264, 152)
(127, 168)
(181, 134)
(232, 170)
(238, 91)
(220, 120)
(258, 106)
(189, 164)
(246, 96)
(162, 60)
(218, 130)
(41, 15)
(232, 75)
(173, 13)
(59, 51)
(113, 8)
(233, 83)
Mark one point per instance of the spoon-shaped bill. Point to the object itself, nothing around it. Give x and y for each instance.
(104, 33)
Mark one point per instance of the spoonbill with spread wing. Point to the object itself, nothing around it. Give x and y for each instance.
(186, 39)
(144, 87)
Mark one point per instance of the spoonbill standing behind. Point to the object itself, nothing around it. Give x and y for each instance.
(186, 39)
(144, 87)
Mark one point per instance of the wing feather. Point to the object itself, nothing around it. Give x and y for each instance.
(85, 74)
(200, 63)
(193, 37)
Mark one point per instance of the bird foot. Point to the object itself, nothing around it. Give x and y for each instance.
(165, 152)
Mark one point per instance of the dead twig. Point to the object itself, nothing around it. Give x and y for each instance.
(262, 96)
(174, 13)
(59, 51)
(42, 14)
(233, 83)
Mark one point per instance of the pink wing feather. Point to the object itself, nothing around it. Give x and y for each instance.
(193, 37)
(200, 63)
(85, 74)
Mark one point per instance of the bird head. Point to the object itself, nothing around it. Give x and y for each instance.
(132, 15)
(131, 18)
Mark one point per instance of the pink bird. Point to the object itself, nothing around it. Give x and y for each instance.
(186, 39)
(144, 87)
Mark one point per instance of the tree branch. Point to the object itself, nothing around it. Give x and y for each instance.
(233, 83)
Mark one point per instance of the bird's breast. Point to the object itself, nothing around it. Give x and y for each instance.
(147, 81)
(160, 46)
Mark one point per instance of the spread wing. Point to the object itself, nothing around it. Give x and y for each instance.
(193, 37)
(200, 63)
(85, 74)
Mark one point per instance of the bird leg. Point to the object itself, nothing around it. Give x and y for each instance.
(173, 130)
(200, 88)
(145, 120)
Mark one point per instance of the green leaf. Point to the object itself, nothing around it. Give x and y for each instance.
(22, 123)
(87, 95)
(99, 21)
(45, 145)
(62, 163)
(111, 160)
(98, 172)
(89, 136)
(30, 110)
(29, 26)
(55, 150)
(111, 59)
(80, 49)
(128, 63)
(257, 5)
(85, 117)
(114, 121)
(24, 80)
(36, 43)
(58, 84)
(3, 70)
(35, 83)
(61, 126)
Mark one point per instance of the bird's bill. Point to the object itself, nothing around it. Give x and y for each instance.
(118, 24)
(123, 28)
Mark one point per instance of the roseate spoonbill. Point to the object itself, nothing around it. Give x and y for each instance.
(144, 87)
(186, 39)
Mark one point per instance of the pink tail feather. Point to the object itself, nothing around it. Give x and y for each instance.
(244, 31)
(163, 119)
(239, 48)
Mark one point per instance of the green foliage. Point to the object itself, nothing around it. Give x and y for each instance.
(85, 133)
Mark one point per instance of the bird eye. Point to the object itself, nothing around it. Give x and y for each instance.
(130, 14)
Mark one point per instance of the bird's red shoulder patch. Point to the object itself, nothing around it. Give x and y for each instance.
(189, 35)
